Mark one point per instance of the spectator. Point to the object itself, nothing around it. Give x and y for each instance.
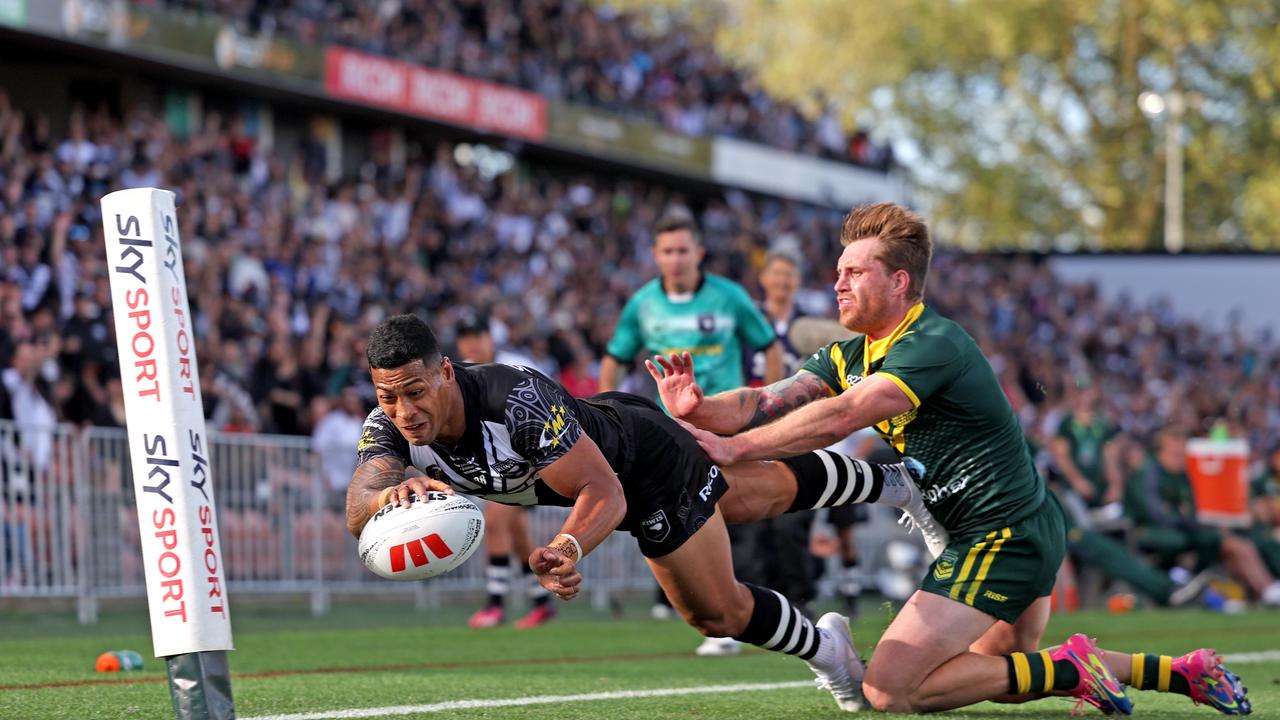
(1160, 502)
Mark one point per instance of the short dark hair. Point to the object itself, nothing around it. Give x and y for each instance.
(399, 340)
(676, 219)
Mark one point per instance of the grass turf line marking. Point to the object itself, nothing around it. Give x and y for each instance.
(536, 700)
(1248, 658)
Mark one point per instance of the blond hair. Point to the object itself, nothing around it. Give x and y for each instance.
(904, 240)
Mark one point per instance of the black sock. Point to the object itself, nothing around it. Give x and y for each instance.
(1155, 672)
(1036, 672)
(777, 625)
(497, 579)
(830, 479)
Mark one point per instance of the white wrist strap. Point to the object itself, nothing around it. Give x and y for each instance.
(576, 545)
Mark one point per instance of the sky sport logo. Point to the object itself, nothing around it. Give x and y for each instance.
(417, 554)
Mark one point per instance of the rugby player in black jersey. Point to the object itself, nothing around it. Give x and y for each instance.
(510, 435)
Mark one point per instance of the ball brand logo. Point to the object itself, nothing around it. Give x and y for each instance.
(433, 542)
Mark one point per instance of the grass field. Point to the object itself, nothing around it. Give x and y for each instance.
(287, 662)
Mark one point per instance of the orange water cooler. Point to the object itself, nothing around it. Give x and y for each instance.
(1219, 472)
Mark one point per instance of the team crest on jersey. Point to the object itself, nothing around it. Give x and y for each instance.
(945, 566)
(655, 527)
(707, 323)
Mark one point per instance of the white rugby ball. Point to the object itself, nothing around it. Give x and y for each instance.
(430, 537)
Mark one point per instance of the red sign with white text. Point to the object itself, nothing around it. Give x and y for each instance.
(434, 94)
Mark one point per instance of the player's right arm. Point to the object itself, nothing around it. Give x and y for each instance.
(731, 411)
(369, 489)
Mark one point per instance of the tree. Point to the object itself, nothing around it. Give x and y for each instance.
(1020, 117)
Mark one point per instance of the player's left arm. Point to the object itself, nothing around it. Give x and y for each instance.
(599, 506)
(814, 426)
(545, 430)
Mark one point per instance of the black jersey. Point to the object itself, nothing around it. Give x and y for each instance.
(517, 423)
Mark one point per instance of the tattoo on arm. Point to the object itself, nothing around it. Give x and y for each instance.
(371, 477)
(786, 395)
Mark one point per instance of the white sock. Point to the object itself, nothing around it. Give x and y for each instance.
(826, 655)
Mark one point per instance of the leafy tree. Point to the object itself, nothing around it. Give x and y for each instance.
(1019, 118)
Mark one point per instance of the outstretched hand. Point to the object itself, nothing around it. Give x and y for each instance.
(555, 572)
(721, 450)
(677, 387)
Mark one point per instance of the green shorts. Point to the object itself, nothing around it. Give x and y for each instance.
(1003, 571)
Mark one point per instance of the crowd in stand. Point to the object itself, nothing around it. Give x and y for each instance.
(572, 50)
(287, 273)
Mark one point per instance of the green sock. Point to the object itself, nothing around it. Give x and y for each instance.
(1155, 672)
(1036, 672)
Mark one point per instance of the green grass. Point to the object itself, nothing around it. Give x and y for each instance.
(286, 661)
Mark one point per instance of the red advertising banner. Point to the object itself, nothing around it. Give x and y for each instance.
(434, 94)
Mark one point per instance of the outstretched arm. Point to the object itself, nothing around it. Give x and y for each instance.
(734, 410)
(599, 506)
(816, 426)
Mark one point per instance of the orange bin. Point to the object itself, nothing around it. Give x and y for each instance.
(1219, 472)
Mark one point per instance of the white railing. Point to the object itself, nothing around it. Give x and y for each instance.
(69, 526)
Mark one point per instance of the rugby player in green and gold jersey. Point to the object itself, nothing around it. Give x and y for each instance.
(972, 631)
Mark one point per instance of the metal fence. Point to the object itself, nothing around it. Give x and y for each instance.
(69, 526)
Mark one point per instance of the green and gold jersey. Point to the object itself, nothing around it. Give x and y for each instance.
(980, 474)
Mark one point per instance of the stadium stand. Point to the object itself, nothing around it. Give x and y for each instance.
(568, 50)
(289, 269)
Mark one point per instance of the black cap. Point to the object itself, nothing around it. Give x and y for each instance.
(470, 323)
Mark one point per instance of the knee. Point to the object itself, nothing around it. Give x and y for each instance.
(716, 624)
(888, 700)
(885, 695)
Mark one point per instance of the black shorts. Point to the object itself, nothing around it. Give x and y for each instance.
(670, 484)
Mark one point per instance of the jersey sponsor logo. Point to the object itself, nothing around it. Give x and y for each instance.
(417, 554)
(655, 527)
(705, 492)
(937, 493)
(992, 595)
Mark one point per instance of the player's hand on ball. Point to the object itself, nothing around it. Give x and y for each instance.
(399, 495)
(680, 393)
(557, 573)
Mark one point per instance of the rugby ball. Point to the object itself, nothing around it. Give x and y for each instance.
(432, 536)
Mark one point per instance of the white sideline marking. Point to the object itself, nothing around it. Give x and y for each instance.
(1251, 657)
(536, 700)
